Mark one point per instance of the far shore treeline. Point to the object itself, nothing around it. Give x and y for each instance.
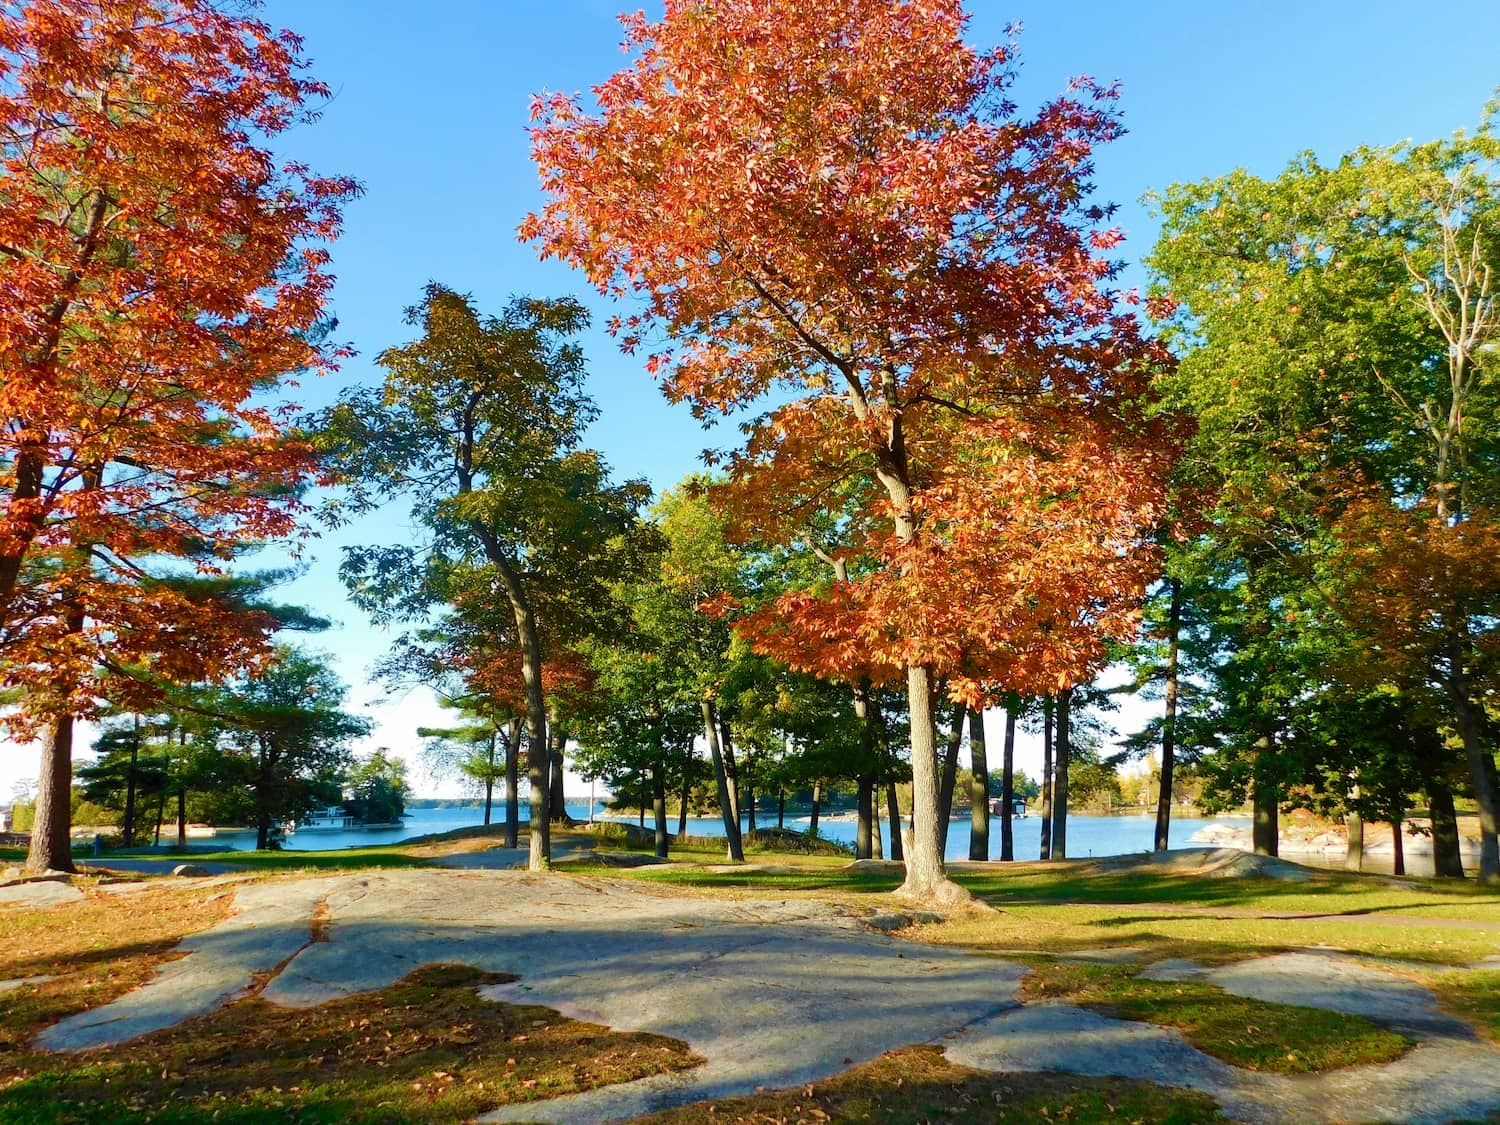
(959, 468)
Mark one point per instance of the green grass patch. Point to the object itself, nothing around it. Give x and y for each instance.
(428, 1049)
(1255, 1034)
(1472, 996)
(919, 1085)
(339, 859)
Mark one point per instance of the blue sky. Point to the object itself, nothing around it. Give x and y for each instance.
(430, 108)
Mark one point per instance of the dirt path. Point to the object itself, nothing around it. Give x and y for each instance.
(771, 993)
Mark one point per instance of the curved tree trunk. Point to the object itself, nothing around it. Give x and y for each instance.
(979, 790)
(51, 844)
(1061, 759)
(721, 780)
(1008, 786)
(1169, 721)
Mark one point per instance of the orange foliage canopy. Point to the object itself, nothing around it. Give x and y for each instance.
(159, 270)
(836, 207)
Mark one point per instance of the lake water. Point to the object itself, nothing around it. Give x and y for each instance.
(1087, 835)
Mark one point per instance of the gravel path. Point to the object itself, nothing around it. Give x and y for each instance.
(770, 993)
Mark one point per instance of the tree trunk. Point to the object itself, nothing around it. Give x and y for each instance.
(1008, 786)
(181, 817)
(1447, 855)
(926, 879)
(263, 789)
(893, 811)
(659, 807)
(1354, 827)
(513, 784)
(687, 788)
(1046, 852)
(557, 807)
(1398, 848)
(781, 808)
(979, 790)
(862, 828)
(1481, 768)
(645, 799)
(135, 751)
(731, 769)
(1061, 759)
(1169, 720)
(817, 807)
(749, 795)
(489, 780)
(950, 776)
(1266, 830)
(721, 781)
(51, 843)
(877, 846)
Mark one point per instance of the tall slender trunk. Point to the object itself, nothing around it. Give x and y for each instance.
(266, 778)
(181, 817)
(1398, 847)
(877, 847)
(1061, 759)
(687, 789)
(135, 751)
(659, 806)
(1481, 765)
(513, 784)
(645, 799)
(1008, 785)
(1354, 826)
(749, 794)
(862, 828)
(817, 807)
(1169, 719)
(979, 789)
(1046, 852)
(557, 807)
(721, 781)
(731, 769)
(781, 808)
(51, 843)
(893, 813)
(1266, 830)
(489, 779)
(950, 775)
(1447, 854)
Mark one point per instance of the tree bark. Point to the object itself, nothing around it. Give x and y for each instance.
(1266, 830)
(51, 843)
(1169, 720)
(181, 816)
(489, 780)
(817, 807)
(1008, 786)
(1398, 848)
(135, 751)
(1046, 852)
(513, 784)
(926, 879)
(1481, 767)
(1061, 759)
(781, 808)
(749, 795)
(687, 788)
(659, 807)
(979, 790)
(877, 846)
(731, 768)
(721, 780)
(893, 810)
(862, 827)
(1354, 827)
(1447, 854)
(557, 807)
(950, 776)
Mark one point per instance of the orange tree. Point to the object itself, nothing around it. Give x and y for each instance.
(835, 211)
(160, 270)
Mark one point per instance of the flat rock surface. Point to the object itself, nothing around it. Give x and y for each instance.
(769, 993)
(45, 892)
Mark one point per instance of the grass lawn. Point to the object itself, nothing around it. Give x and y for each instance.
(920, 1085)
(1253, 1034)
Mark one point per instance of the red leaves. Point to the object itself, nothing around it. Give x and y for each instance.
(160, 272)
